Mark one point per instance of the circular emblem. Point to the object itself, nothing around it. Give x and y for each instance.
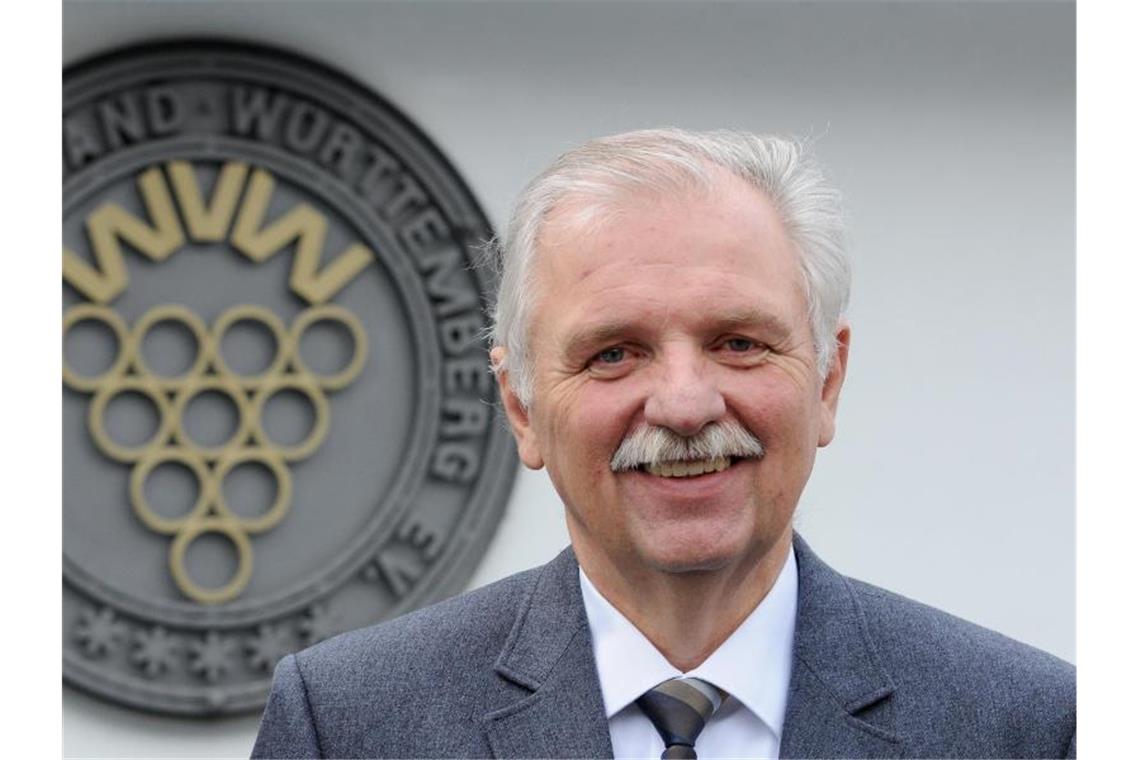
(278, 419)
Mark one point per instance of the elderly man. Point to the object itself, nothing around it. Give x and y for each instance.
(670, 345)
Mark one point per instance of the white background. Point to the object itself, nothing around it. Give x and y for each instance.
(950, 128)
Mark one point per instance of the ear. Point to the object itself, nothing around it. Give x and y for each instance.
(517, 415)
(832, 384)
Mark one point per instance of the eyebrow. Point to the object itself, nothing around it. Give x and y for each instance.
(754, 317)
(588, 337)
(585, 338)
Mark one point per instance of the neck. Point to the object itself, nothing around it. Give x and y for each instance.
(687, 616)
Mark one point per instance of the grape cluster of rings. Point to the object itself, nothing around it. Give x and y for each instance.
(248, 444)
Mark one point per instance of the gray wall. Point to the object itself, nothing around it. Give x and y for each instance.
(950, 127)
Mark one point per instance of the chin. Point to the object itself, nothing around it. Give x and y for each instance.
(693, 566)
(690, 554)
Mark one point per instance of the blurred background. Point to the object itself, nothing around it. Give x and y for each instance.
(949, 126)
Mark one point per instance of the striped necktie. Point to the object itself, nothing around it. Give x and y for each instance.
(679, 709)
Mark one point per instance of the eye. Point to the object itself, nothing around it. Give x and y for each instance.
(613, 362)
(612, 355)
(739, 345)
(741, 351)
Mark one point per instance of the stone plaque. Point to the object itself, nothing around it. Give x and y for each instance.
(278, 422)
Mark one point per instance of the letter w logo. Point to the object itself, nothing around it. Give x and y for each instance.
(308, 227)
(109, 224)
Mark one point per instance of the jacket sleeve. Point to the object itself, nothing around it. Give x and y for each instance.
(287, 727)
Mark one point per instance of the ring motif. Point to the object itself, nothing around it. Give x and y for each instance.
(171, 443)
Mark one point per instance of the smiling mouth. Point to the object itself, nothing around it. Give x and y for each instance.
(688, 469)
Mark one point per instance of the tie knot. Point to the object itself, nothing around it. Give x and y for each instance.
(679, 709)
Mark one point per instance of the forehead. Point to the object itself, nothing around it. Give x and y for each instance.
(706, 250)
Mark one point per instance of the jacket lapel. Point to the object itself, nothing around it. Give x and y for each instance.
(839, 700)
(549, 655)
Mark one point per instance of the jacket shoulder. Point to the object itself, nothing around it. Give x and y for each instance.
(413, 686)
(950, 674)
(470, 628)
(926, 637)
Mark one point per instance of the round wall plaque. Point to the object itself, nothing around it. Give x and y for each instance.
(278, 418)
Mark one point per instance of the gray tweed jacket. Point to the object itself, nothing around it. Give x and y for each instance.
(508, 671)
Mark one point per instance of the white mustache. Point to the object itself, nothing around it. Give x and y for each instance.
(651, 444)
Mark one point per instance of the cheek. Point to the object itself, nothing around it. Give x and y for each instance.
(603, 410)
(590, 427)
(780, 414)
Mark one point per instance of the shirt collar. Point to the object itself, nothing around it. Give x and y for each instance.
(754, 664)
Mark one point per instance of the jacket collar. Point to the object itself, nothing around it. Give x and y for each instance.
(838, 702)
(548, 654)
(839, 697)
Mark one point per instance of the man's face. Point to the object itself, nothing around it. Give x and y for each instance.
(675, 313)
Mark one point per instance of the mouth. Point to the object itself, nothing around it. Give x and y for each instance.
(692, 468)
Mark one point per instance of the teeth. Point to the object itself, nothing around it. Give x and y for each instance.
(688, 469)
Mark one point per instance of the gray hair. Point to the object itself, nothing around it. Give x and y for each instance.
(671, 161)
(653, 444)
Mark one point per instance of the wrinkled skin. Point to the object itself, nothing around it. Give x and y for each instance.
(675, 312)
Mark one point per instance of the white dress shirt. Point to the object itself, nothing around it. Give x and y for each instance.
(754, 665)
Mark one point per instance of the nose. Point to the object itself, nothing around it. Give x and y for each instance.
(685, 396)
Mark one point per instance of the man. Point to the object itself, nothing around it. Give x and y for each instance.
(670, 345)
